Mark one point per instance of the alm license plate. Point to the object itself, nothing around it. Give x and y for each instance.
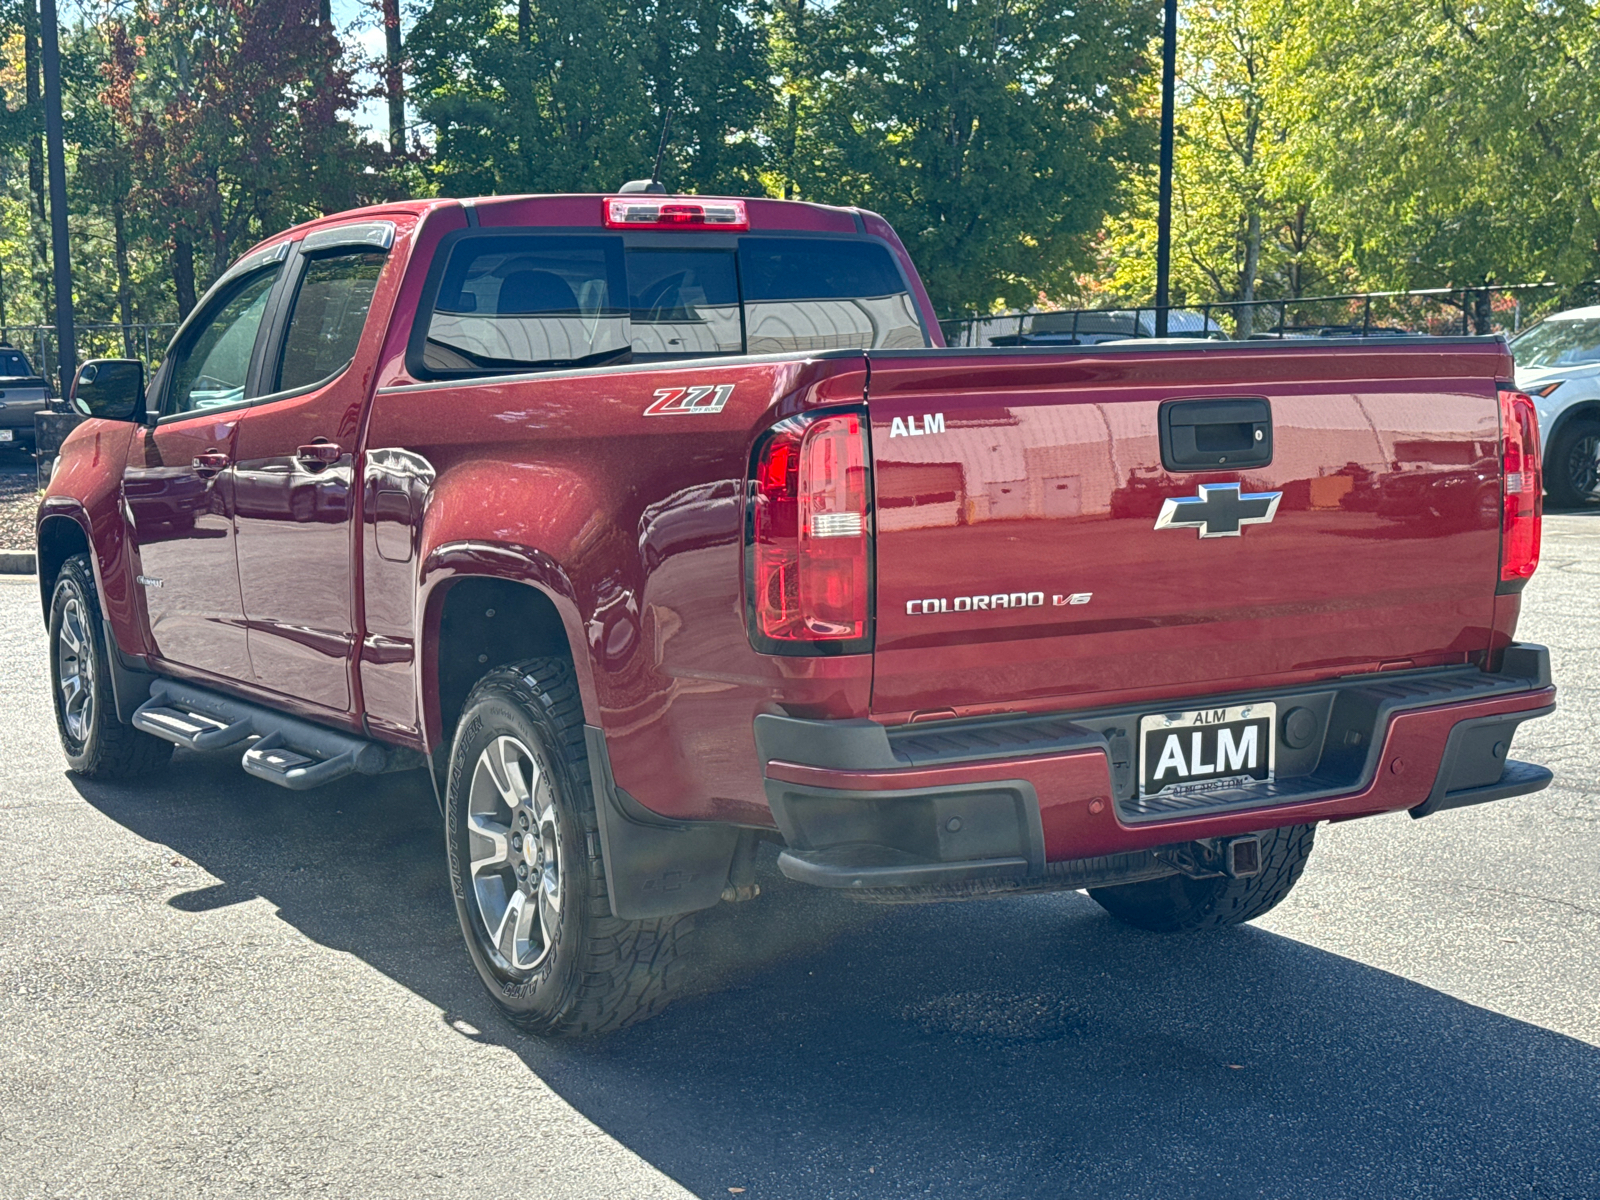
(7, 434)
(1207, 748)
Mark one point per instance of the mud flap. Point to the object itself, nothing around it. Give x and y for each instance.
(654, 867)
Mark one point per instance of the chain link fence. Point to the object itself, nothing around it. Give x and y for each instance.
(146, 341)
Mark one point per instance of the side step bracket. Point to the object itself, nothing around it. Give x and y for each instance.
(281, 749)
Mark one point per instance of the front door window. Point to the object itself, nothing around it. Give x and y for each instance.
(212, 368)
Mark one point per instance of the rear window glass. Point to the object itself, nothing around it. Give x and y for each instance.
(521, 301)
(815, 294)
(12, 363)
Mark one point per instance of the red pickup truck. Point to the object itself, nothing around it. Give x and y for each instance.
(654, 527)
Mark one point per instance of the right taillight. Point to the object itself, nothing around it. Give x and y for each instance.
(809, 570)
(1523, 483)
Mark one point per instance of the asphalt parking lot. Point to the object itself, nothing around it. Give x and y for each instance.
(212, 987)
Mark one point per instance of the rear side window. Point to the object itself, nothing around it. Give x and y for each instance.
(521, 301)
(330, 309)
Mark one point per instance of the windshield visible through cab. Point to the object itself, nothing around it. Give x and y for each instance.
(1556, 343)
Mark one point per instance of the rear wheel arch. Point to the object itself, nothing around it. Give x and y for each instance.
(462, 642)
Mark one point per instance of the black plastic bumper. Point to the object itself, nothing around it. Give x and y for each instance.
(939, 833)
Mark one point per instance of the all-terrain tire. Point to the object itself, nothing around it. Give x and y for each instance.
(596, 973)
(97, 744)
(1570, 476)
(1179, 904)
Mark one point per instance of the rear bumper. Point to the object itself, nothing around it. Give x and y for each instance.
(864, 806)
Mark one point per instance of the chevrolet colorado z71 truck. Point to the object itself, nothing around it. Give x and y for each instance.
(654, 527)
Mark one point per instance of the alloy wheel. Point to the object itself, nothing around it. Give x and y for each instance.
(75, 670)
(1583, 464)
(515, 853)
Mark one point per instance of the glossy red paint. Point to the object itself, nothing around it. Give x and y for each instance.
(87, 490)
(1074, 789)
(180, 514)
(297, 516)
(1047, 479)
(633, 527)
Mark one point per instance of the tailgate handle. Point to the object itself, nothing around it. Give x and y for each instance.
(1208, 435)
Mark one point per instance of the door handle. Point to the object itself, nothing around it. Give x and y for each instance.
(1231, 434)
(323, 454)
(210, 462)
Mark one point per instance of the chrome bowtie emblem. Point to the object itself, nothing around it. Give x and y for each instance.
(1219, 510)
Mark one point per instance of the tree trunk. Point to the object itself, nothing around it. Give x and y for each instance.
(1482, 312)
(793, 131)
(524, 23)
(119, 228)
(394, 84)
(1245, 321)
(34, 94)
(325, 13)
(183, 272)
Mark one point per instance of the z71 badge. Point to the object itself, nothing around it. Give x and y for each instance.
(696, 398)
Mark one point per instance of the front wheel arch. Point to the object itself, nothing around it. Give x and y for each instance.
(59, 537)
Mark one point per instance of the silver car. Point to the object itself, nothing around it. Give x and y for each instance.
(1558, 364)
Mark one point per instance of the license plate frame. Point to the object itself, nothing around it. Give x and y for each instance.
(1165, 765)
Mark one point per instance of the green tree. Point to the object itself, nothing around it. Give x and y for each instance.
(993, 134)
(234, 114)
(1454, 144)
(571, 96)
(1245, 214)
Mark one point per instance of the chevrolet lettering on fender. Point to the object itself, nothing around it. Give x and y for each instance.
(659, 537)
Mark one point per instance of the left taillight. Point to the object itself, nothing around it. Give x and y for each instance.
(808, 553)
(1522, 497)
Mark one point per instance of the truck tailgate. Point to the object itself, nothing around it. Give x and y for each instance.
(1019, 559)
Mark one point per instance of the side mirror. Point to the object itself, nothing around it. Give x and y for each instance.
(110, 388)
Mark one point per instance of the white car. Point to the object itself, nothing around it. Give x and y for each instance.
(1558, 364)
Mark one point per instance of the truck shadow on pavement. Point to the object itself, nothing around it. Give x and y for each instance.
(1022, 1047)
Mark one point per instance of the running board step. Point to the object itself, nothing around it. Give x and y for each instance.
(281, 749)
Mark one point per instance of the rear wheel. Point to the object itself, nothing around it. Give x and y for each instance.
(98, 745)
(527, 871)
(1572, 472)
(1179, 904)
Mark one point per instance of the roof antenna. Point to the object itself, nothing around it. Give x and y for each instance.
(652, 185)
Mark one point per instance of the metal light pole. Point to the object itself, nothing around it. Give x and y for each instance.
(60, 253)
(1169, 71)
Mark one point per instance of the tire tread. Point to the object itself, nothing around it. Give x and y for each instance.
(1179, 904)
(627, 971)
(114, 749)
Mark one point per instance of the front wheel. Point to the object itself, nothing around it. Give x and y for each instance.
(526, 867)
(1179, 904)
(1572, 470)
(97, 743)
